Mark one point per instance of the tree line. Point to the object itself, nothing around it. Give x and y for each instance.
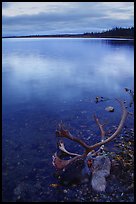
(115, 32)
(112, 33)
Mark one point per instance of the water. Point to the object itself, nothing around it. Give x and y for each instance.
(45, 81)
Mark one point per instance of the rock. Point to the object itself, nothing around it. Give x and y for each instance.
(17, 190)
(109, 109)
(100, 169)
(65, 191)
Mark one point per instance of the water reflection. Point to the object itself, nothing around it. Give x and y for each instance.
(69, 70)
(119, 42)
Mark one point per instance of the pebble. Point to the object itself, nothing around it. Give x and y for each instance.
(18, 197)
(65, 191)
(17, 190)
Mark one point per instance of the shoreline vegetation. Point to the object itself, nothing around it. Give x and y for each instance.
(127, 33)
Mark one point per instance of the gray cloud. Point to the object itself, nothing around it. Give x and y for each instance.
(5, 5)
(77, 18)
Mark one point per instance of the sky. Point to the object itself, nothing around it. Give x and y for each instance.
(26, 18)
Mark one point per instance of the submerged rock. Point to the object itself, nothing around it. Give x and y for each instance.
(109, 109)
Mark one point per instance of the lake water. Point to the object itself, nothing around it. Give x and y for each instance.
(45, 81)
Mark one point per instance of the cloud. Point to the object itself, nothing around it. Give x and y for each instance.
(5, 5)
(61, 17)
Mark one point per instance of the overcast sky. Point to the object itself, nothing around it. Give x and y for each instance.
(25, 18)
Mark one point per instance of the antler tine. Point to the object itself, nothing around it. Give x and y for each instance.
(102, 133)
(100, 127)
(66, 134)
(63, 149)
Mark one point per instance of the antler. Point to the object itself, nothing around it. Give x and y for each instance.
(62, 148)
(61, 163)
(100, 127)
(66, 134)
(101, 166)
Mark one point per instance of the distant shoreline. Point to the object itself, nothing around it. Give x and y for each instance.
(70, 36)
(125, 33)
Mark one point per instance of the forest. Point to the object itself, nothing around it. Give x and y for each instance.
(112, 33)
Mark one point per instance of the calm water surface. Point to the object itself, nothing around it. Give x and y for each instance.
(45, 81)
